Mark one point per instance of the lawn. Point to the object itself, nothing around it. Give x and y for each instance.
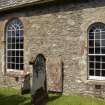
(10, 96)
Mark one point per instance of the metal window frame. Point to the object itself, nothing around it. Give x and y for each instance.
(14, 25)
(100, 27)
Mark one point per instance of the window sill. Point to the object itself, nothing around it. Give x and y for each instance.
(15, 73)
(96, 80)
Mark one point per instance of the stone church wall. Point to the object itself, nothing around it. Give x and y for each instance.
(59, 31)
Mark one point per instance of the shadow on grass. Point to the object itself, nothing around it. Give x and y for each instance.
(14, 100)
(24, 100)
(52, 97)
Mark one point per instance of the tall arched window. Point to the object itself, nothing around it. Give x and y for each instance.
(96, 51)
(14, 45)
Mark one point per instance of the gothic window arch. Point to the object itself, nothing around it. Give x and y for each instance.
(96, 51)
(14, 45)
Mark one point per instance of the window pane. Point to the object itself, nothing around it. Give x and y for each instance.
(21, 59)
(13, 33)
(97, 43)
(21, 46)
(17, 40)
(97, 35)
(21, 66)
(103, 65)
(17, 32)
(9, 53)
(9, 33)
(103, 58)
(21, 39)
(97, 58)
(91, 58)
(103, 72)
(91, 65)
(9, 66)
(17, 53)
(97, 65)
(9, 39)
(13, 59)
(21, 53)
(103, 35)
(91, 36)
(13, 46)
(13, 66)
(103, 29)
(21, 32)
(9, 28)
(17, 46)
(103, 50)
(9, 46)
(91, 31)
(13, 53)
(17, 59)
(97, 30)
(97, 72)
(17, 66)
(91, 72)
(13, 40)
(9, 59)
(103, 42)
(91, 50)
(97, 50)
(91, 43)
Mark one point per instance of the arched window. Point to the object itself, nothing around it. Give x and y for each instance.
(96, 51)
(14, 45)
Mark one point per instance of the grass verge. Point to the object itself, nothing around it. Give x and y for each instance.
(10, 96)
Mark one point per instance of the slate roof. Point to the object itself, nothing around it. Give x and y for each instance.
(11, 4)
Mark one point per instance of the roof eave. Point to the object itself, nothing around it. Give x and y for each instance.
(24, 5)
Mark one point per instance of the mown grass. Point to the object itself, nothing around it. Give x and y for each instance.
(74, 100)
(9, 96)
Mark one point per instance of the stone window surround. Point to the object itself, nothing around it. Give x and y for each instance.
(95, 77)
(84, 52)
(17, 25)
(13, 73)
